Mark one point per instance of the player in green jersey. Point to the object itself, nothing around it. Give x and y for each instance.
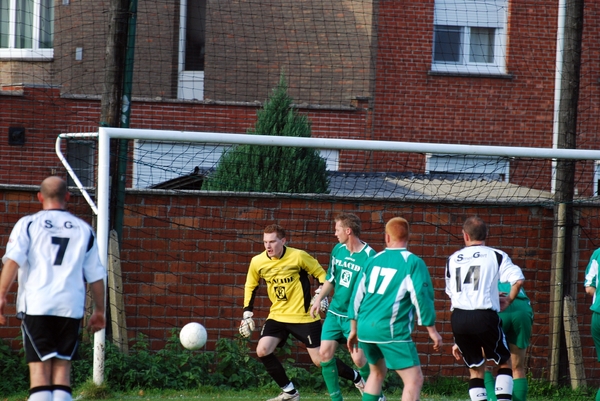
(517, 323)
(591, 284)
(347, 260)
(393, 293)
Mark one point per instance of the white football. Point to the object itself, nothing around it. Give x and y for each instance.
(193, 336)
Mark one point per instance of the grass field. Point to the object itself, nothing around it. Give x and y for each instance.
(229, 396)
(261, 395)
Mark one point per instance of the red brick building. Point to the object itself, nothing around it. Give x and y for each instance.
(440, 71)
(382, 70)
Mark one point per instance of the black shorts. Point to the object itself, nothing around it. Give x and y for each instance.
(475, 330)
(46, 337)
(308, 333)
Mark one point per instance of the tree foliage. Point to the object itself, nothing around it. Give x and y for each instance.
(254, 168)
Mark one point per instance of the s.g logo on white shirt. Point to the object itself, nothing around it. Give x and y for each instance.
(48, 224)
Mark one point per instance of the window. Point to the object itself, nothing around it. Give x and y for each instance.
(469, 36)
(27, 29)
(597, 178)
(192, 45)
(80, 155)
(157, 162)
(470, 167)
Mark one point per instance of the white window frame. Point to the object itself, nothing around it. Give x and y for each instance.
(468, 14)
(190, 84)
(596, 178)
(467, 164)
(35, 53)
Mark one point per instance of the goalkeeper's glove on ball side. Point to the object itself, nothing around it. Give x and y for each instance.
(324, 302)
(247, 324)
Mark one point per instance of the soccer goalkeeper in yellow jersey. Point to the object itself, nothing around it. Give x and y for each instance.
(286, 271)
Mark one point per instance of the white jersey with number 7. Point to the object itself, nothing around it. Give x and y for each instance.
(56, 252)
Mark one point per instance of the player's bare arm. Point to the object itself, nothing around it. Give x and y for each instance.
(514, 291)
(7, 278)
(456, 352)
(435, 337)
(352, 341)
(98, 320)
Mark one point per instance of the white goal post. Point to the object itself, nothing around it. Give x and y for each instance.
(104, 135)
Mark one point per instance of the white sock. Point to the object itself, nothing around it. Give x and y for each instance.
(477, 390)
(60, 394)
(504, 387)
(289, 388)
(42, 393)
(478, 394)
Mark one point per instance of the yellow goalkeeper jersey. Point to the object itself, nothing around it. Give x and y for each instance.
(288, 284)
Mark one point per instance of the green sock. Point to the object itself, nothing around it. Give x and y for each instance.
(332, 381)
(364, 371)
(598, 395)
(370, 397)
(490, 385)
(520, 387)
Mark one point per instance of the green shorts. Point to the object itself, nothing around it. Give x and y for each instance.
(335, 328)
(398, 355)
(517, 321)
(596, 332)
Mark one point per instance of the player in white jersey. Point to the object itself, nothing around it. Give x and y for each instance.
(347, 260)
(52, 252)
(472, 277)
(393, 293)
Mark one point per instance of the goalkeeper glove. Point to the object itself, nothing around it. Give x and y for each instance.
(247, 324)
(324, 302)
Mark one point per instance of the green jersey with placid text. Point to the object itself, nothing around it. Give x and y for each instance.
(393, 293)
(343, 272)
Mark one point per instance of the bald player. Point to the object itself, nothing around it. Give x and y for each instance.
(54, 254)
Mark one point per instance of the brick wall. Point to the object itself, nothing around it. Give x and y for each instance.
(45, 114)
(409, 103)
(185, 257)
(516, 110)
(324, 48)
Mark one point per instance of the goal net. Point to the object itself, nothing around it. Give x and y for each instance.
(185, 249)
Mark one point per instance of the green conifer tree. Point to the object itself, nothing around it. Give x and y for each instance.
(254, 168)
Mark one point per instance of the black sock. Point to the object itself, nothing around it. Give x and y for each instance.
(275, 370)
(346, 371)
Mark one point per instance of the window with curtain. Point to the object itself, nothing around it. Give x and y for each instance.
(469, 36)
(27, 29)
